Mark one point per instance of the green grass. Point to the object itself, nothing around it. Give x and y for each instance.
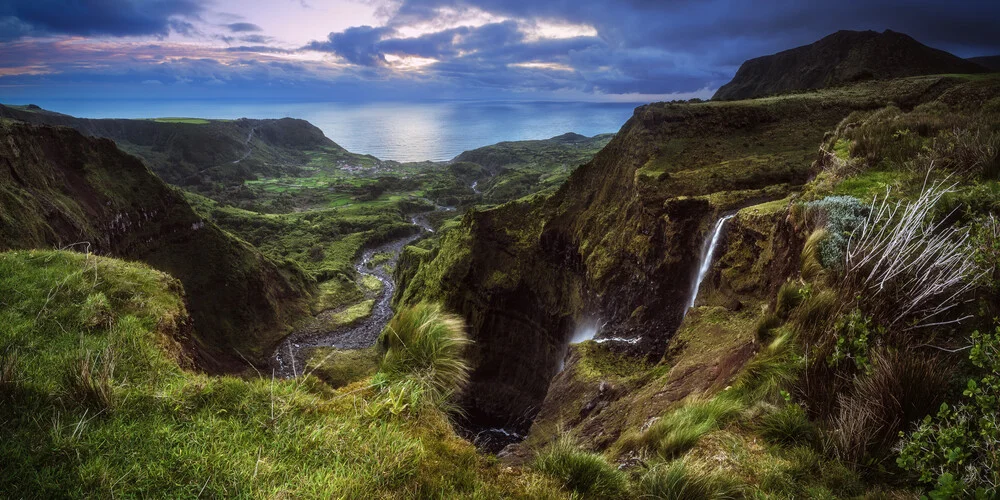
(168, 432)
(588, 475)
(680, 480)
(426, 346)
(789, 425)
(191, 121)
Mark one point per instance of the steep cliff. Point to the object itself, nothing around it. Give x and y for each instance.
(61, 189)
(621, 239)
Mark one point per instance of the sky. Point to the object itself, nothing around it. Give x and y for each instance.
(375, 50)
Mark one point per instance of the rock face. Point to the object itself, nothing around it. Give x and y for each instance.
(842, 57)
(61, 189)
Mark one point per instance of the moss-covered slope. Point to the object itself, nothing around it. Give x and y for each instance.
(61, 189)
(621, 238)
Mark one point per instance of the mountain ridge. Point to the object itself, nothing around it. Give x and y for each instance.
(842, 57)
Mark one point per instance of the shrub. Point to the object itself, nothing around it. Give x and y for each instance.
(985, 242)
(587, 474)
(839, 216)
(682, 481)
(902, 387)
(426, 345)
(89, 379)
(789, 425)
(911, 272)
(957, 452)
(973, 152)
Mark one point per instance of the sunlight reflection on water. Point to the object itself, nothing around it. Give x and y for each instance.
(392, 131)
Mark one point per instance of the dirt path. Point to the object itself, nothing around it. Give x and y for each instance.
(289, 358)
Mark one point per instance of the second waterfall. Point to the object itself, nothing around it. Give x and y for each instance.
(707, 254)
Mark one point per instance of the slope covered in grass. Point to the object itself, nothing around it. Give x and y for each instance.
(94, 403)
(61, 189)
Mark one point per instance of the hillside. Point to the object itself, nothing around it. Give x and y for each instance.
(779, 354)
(59, 189)
(94, 404)
(843, 57)
(198, 153)
(990, 62)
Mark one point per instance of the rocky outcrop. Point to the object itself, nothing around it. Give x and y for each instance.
(61, 189)
(843, 57)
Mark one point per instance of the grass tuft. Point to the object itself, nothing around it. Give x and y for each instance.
(789, 425)
(425, 346)
(587, 474)
(680, 430)
(680, 480)
(90, 379)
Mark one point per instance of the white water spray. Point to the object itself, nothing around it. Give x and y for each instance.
(586, 330)
(706, 258)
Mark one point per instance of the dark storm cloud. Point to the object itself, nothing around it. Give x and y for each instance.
(95, 17)
(649, 46)
(243, 27)
(623, 47)
(359, 45)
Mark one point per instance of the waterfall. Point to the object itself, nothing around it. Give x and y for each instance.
(706, 258)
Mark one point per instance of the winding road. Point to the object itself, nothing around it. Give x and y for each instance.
(289, 358)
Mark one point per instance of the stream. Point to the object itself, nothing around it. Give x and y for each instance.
(289, 358)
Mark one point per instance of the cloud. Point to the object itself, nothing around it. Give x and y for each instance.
(243, 27)
(359, 45)
(96, 17)
(450, 48)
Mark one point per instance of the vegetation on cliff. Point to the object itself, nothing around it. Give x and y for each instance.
(61, 189)
(837, 315)
(94, 402)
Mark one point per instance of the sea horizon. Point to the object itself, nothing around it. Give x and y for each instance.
(430, 130)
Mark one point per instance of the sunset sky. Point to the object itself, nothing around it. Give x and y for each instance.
(433, 49)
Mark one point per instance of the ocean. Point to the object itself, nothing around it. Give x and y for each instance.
(417, 131)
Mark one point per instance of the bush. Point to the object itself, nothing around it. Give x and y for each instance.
(839, 216)
(588, 474)
(681, 481)
(426, 346)
(911, 272)
(957, 452)
(971, 152)
(789, 425)
(902, 387)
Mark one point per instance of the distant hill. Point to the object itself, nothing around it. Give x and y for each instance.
(59, 189)
(990, 62)
(842, 57)
(188, 152)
